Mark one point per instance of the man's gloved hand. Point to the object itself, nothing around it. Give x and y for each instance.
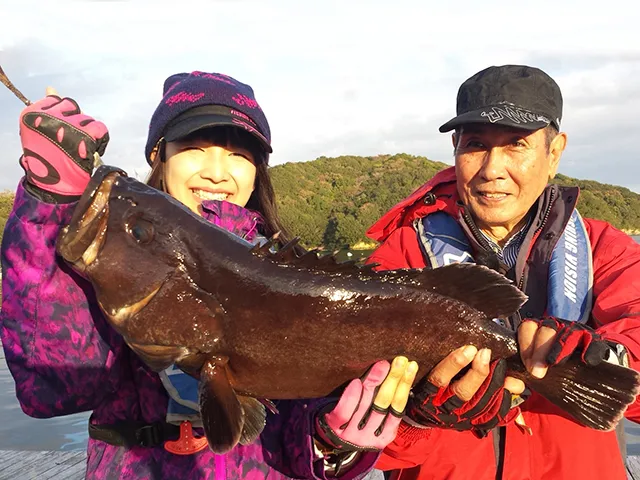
(490, 405)
(548, 341)
(59, 144)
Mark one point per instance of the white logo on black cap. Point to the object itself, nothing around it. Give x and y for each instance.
(513, 113)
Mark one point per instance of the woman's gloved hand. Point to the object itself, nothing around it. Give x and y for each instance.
(368, 413)
(59, 144)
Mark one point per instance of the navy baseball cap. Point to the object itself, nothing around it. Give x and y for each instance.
(196, 100)
(513, 95)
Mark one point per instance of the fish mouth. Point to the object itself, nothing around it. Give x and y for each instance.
(118, 316)
(80, 242)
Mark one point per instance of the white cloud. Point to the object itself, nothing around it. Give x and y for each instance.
(334, 77)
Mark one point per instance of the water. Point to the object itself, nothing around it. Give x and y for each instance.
(20, 432)
(633, 429)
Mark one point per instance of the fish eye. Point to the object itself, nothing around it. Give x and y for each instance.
(141, 230)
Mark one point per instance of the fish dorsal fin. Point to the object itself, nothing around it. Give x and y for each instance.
(309, 260)
(264, 250)
(314, 260)
(287, 254)
(478, 286)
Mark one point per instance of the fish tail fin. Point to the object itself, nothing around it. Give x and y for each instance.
(595, 396)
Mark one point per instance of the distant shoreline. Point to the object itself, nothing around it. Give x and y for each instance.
(371, 245)
(363, 246)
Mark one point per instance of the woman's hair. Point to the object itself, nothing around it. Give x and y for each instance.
(262, 199)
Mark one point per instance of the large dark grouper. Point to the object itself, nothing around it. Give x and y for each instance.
(251, 324)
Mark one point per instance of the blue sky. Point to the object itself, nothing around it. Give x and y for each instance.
(334, 77)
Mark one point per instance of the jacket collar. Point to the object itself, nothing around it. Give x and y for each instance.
(439, 193)
(240, 221)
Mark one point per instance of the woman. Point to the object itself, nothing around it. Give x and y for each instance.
(208, 145)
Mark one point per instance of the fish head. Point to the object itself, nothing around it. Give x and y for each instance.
(123, 238)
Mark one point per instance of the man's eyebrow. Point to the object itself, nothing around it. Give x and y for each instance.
(470, 130)
(476, 129)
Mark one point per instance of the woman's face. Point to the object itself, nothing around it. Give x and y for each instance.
(198, 169)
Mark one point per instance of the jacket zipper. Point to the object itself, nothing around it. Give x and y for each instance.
(255, 222)
(545, 217)
(476, 232)
(487, 246)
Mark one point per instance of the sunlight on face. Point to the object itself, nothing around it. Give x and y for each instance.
(502, 171)
(196, 169)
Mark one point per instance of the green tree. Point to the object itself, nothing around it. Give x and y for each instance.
(6, 204)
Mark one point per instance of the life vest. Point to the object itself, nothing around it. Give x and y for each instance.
(570, 283)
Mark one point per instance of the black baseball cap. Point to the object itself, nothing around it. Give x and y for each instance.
(212, 116)
(513, 95)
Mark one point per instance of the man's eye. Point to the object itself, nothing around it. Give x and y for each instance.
(474, 144)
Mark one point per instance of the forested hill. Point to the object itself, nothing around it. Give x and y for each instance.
(332, 201)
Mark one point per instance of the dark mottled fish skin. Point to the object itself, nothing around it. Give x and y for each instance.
(279, 326)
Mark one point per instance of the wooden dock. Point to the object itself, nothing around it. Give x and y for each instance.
(633, 467)
(25, 465)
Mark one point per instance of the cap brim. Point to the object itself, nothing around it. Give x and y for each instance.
(498, 115)
(187, 126)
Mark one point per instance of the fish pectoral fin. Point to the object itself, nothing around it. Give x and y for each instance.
(269, 405)
(255, 418)
(223, 416)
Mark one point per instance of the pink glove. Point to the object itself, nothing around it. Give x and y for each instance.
(58, 144)
(356, 424)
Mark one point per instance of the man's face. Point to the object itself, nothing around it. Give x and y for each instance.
(502, 171)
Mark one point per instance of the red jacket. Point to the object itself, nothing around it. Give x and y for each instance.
(559, 448)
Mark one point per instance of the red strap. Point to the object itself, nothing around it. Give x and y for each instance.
(187, 444)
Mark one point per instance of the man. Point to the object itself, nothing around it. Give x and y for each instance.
(582, 278)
